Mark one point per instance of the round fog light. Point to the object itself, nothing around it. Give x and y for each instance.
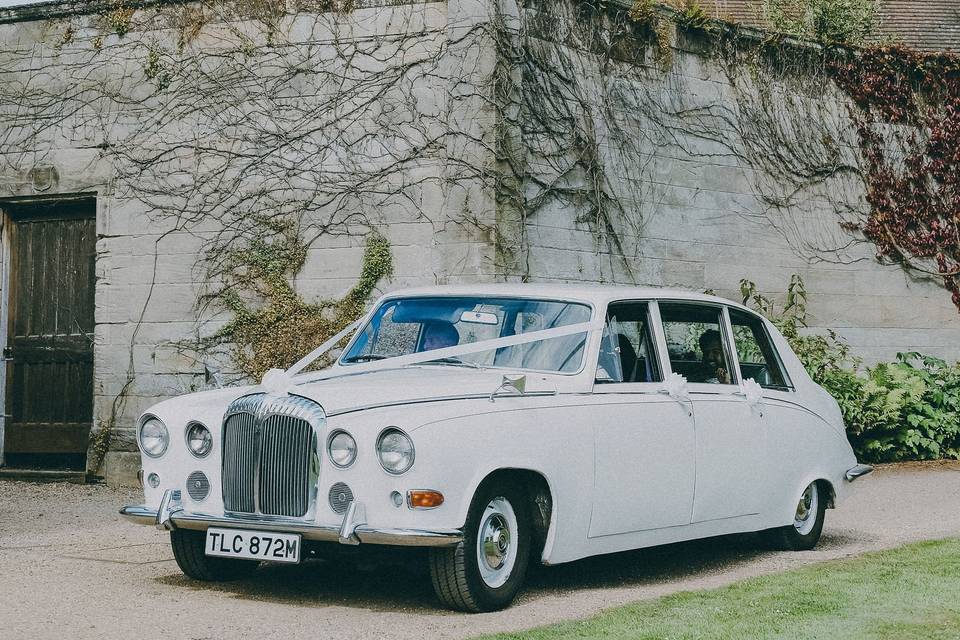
(397, 498)
(153, 480)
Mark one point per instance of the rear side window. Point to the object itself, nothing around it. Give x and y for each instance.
(627, 353)
(758, 357)
(696, 343)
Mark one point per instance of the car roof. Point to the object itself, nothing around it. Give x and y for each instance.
(596, 294)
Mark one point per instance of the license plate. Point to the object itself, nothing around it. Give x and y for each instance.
(253, 545)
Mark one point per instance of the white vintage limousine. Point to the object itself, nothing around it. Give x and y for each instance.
(499, 425)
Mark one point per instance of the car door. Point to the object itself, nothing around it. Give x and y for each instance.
(644, 440)
(730, 441)
(789, 451)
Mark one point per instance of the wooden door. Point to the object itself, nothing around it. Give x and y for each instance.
(49, 351)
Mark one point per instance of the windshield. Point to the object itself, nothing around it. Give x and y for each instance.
(414, 325)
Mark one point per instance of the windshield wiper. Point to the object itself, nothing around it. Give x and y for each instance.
(457, 362)
(366, 357)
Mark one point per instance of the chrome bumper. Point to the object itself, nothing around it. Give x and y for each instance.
(858, 471)
(352, 531)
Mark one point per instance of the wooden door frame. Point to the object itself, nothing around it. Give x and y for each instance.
(6, 226)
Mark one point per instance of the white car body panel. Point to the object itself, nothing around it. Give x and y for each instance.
(627, 465)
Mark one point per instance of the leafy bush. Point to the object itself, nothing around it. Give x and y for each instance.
(904, 410)
(847, 21)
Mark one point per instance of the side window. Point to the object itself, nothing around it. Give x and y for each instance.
(758, 357)
(695, 342)
(627, 353)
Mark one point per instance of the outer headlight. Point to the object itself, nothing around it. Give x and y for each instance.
(153, 436)
(199, 439)
(395, 450)
(342, 449)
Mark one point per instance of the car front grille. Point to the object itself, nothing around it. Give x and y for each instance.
(270, 456)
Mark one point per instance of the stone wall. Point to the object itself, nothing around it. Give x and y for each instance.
(199, 124)
(486, 139)
(696, 169)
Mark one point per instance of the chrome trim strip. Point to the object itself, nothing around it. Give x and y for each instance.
(400, 403)
(142, 514)
(858, 471)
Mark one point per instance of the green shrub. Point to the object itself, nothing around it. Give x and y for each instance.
(904, 410)
(846, 21)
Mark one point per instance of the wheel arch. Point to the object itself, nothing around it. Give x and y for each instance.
(539, 492)
(829, 491)
(823, 482)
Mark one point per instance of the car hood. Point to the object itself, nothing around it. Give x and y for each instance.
(354, 392)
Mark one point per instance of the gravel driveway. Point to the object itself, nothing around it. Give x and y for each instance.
(70, 568)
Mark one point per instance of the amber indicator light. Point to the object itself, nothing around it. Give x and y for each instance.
(424, 499)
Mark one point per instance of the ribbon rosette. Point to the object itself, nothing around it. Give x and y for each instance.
(752, 391)
(676, 386)
(277, 382)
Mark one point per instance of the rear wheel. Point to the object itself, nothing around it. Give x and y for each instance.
(486, 571)
(188, 550)
(807, 526)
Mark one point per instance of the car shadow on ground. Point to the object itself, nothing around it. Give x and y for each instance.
(398, 579)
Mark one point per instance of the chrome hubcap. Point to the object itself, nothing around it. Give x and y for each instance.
(496, 541)
(496, 551)
(806, 516)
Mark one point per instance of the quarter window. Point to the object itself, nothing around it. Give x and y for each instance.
(758, 357)
(627, 353)
(695, 342)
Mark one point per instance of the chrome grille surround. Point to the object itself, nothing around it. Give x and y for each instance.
(271, 463)
(340, 497)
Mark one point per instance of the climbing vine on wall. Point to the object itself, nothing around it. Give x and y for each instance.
(908, 125)
(277, 326)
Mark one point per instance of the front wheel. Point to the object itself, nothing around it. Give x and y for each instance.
(188, 550)
(486, 570)
(807, 526)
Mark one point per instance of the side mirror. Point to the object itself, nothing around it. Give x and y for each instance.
(517, 384)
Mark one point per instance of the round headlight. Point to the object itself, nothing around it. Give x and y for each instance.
(342, 449)
(395, 450)
(199, 439)
(154, 437)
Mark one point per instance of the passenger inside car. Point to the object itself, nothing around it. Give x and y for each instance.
(439, 335)
(713, 369)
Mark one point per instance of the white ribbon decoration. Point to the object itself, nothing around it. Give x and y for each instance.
(440, 354)
(752, 391)
(675, 386)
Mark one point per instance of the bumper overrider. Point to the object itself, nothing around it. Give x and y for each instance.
(858, 472)
(353, 530)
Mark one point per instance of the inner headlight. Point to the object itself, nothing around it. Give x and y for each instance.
(199, 439)
(395, 450)
(342, 449)
(154, 437)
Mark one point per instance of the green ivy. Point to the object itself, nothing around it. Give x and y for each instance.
(273, 326)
